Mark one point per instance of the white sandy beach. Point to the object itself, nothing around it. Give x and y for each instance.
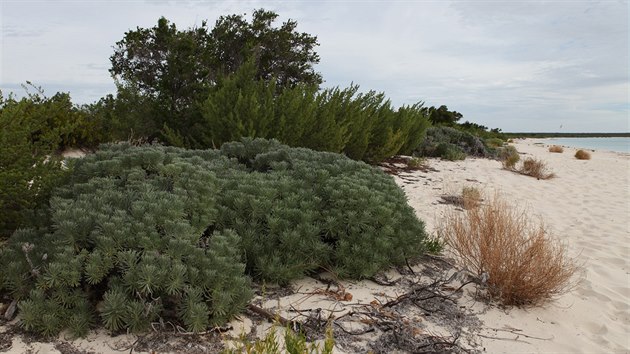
(587, 206)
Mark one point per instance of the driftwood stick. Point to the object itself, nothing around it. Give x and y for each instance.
(294, 325)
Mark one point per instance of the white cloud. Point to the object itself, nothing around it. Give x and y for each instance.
(517, 65)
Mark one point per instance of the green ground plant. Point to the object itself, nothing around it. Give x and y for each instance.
(147, 233)
(292, 342)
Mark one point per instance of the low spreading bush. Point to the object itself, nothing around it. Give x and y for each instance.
(582, 155)
(451, 144)
(523, 265)
(556, 148)
(148, 233)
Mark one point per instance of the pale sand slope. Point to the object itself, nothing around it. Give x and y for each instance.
(587, 206)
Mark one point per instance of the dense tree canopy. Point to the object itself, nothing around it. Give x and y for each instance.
(442, 116)
(165, 71)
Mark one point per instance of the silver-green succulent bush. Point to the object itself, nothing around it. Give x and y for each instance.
(140, 234)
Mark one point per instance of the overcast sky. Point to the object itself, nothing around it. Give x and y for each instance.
(518, 66)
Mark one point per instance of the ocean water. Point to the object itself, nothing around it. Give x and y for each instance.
(609, 144)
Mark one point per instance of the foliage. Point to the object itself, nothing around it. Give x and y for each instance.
(498, 242)
(434, 245)
(493, 142)
(452, 144)
(363, 126)
(163, 73)
(297, 210)
(416, 162)
(33, 130)
(292, 343)
(133, 229)
(160, 232)
(442, 116)
(556, 148)
(509, 156)
(582, 155)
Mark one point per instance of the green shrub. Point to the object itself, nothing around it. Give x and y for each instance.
(493, 142)
(363, 126)
(450, 152)
(452, 144)
(508, 156)
(161, 232)
(300, 210)
(134, 228)
(32, 132)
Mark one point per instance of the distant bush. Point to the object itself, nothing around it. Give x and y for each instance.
(582, 155)
(155, 232)
(508, 156)
(520, 263)
(556, 148)
(450, 152)
(416, 162)
(493, 142)
(452, 144)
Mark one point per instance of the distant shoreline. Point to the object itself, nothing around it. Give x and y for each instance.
(567, 135)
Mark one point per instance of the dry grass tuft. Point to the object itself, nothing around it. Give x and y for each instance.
(522, 264)
(471, 197)
(532, 167)
(535, 168)
(582, 155)
(556, 148)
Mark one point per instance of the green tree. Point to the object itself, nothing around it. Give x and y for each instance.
(170, 70)
(282, 54)
(442, 116)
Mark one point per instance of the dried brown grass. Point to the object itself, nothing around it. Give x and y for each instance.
(534, 168)
(471, 197)
(523, 265)
(556, 148)
(582, 155)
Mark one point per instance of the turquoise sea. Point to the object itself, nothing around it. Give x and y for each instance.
(609, 144)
